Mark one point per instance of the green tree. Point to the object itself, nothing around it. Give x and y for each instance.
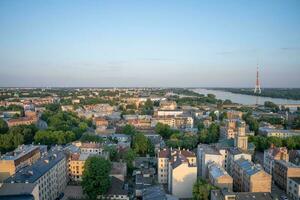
(113, 153)
(140, 143)
(213, 116)
(164, 130)
(272, 106)
(54, 107)
(95, 178)
(251, 121)
(201, 190)
(223, 116)
(147, 108)
(128, 130)
(129, 157)
(3, 126)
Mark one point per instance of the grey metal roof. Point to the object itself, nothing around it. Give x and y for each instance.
(32, 173)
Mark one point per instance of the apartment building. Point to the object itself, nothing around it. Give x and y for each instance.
(272, 154)
(182, 174)
(21, 121)
(293, 187)
(165, 156)
(207, 154)
(234, 114)
(248, 177)
(100, 122)
(91, 148)
(178, 122)
(167, 105)
(281, 133)
(219, 177)
(232, 128)
(294, 157)
(76, 163)
(282, 171)
(13, 161)
(168, 113)
(49, 173)
(234, 154)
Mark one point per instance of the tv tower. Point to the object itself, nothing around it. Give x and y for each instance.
(257, 89)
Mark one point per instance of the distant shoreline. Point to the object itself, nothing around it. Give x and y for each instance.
(282, 93)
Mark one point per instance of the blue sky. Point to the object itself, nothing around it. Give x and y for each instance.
(149, 43)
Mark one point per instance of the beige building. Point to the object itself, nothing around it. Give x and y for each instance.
(163, 159)
(167, 105)
(12, 162)
(21, 121)
(182, 175)
(178, 122)
(168, 113)
(272, 154)
(49, 173)
(282, 171)
(219, 177)
(100, 122)
(234, 114)
(248, 177)
(232, 128)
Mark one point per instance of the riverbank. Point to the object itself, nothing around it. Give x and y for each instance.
(243, 98)
(282, 93)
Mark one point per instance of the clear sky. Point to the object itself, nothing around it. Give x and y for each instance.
(149, 43)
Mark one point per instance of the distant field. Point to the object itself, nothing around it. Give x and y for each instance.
(285, 93)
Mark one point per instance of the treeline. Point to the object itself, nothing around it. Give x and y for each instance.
(63, 127)
(15, 136)
(285, 93)
(262, 143)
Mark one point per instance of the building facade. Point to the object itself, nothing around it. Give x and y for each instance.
(248, 177)
(284, 170)
(49, 173)
(23, 156)
(272, 154)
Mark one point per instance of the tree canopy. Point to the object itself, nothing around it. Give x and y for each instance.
(3, 126)
(95, 178)
(201, 190)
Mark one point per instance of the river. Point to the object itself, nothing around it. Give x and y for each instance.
(244, 99)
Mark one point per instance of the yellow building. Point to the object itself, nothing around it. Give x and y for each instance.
(76, 165)
(11, 162)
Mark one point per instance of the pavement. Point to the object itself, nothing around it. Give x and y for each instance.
(74, 192)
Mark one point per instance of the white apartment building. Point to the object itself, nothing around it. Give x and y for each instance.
(49, 173)
(182, 176)
(293, 187)
(181, 171)
(207, 154)
(272, 154)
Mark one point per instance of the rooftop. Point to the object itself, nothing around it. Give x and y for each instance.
(32, 173)
(19, 152)
(249, 167)
(216, 171)
(116, 187)
(154, 193)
